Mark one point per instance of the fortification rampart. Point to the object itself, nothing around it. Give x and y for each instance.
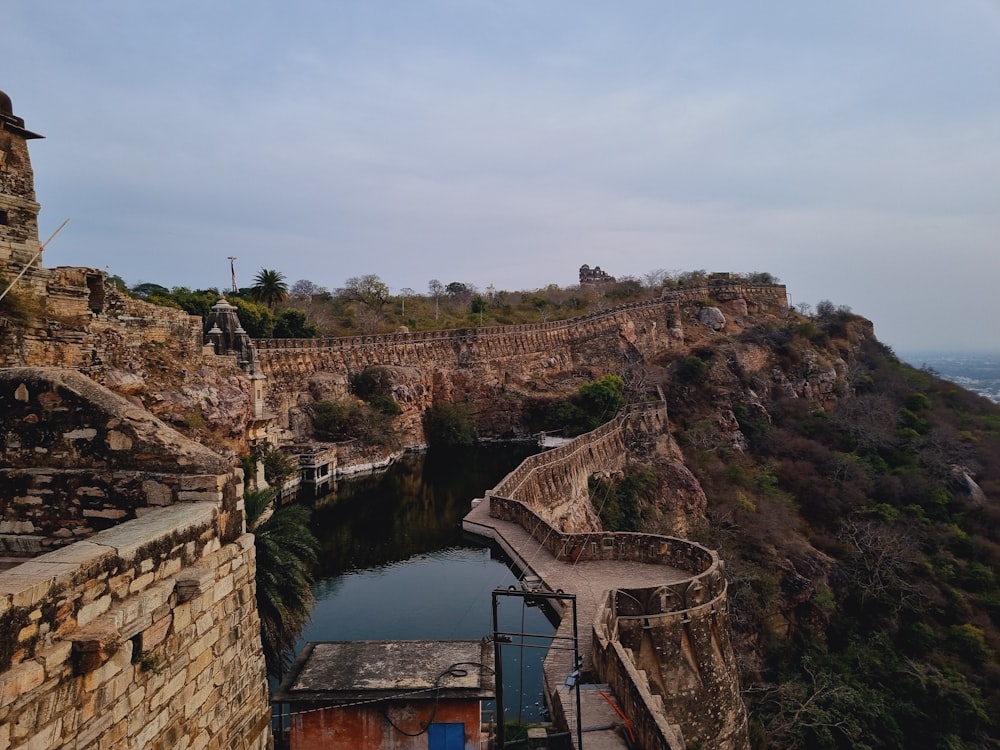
(145, 634)
(518, 338)
(85, 325)
(665, 650)
(481, 365)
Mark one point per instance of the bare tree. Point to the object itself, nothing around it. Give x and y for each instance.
(373, 294)
(656, 278)
(436, 288)
(403, 294)
(880, 560)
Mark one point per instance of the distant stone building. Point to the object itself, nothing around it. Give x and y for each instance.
(594, 276)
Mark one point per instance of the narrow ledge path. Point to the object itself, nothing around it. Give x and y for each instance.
(590, 581)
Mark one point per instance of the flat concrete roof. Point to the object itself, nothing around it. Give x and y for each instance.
(337, 672)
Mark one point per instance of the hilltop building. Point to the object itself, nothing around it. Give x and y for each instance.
(595, 276)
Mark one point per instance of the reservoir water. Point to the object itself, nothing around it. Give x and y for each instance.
(395, 565)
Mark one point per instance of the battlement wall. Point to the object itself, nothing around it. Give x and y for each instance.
(481, 365)
(493, 340)
(665, 650)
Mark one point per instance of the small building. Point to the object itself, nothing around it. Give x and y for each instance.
(594, 276)
(388, 695)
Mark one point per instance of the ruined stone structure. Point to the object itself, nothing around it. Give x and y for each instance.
(594, 276)
(128, 616)
(665, 648)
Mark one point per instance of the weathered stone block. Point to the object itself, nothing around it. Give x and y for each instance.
(90, 612)
(192, 582)
(157, 632)
(95, 644)
(20, 679)
(223, 588)
(47, 738)
(55, 657)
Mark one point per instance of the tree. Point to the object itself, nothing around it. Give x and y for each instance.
(436, 288)
(292, 324)
(305, 290)
(601, 399)
(286, 552)
(656, 279)
(269, 288)
(403, 294)
(257, 320)
(372, 293)
(149, 289)
(447, 423)
(460, 292)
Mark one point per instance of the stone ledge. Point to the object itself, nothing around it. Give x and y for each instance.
(157, 523)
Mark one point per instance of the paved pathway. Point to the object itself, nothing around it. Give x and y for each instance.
(590, 581)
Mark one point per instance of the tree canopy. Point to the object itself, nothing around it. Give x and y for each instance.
(269, 288)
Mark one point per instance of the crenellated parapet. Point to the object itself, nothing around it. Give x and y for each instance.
(476, 365)
(665, 648)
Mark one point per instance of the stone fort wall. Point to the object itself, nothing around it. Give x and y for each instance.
(666, 650)
(85, 323)
(505, 357)
(141, 635)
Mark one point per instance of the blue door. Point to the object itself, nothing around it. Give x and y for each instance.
(446, 737)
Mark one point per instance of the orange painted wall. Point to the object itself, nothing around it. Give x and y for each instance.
(365, 728)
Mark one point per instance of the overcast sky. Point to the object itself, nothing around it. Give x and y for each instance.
(850, 148)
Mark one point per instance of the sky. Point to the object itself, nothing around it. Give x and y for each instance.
(849, 148)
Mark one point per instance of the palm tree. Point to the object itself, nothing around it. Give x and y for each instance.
(286, 552)
(269, 287)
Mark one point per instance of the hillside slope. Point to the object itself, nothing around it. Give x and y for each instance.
(855, 500)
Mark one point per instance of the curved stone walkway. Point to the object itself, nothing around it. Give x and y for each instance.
(589, 581)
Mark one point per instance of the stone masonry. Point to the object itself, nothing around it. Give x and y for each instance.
(141, 635)
(660, 641)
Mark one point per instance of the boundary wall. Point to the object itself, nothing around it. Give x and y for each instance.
(512, 339)
(145, 634)
(665, 650)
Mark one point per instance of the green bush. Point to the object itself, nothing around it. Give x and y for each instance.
(623, 504)
(339, 420)
(592, 405)
(447, 423)
(692, 370)
(374, 385)
(292, 324)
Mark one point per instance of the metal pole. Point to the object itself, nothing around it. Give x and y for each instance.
(33, 259)
(498, 675)
(577, 665)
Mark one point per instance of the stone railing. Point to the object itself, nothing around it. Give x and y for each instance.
(690, 692)
(510, 484)
(645, 709)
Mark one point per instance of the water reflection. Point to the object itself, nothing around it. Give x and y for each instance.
(394, 564)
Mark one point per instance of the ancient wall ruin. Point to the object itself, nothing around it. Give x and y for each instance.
(141, 635)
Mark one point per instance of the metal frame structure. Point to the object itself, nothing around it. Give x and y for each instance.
(502, 638)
